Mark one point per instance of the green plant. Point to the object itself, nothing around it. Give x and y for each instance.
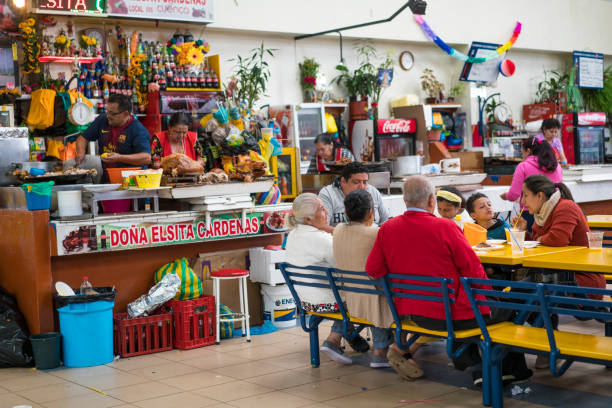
(430, 84)
(490, 109)
(308, 74)
(599, 100)
(457, 89)
(554, 83)
(363, 81)
(252, 74)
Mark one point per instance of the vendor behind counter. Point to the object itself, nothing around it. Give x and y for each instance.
(327, 151)
(122, 140)
(177, 139)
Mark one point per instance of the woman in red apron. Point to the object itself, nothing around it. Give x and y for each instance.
(177, 139)
(327, 152)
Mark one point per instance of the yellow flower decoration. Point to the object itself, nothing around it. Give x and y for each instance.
(30, 21)
(195, 56)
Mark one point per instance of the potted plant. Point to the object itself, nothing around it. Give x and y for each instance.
(432, 87)
(456, 91)
(252, 75)
(309, 69)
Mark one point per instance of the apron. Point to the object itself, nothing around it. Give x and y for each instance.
(188, 144)
(321, 167)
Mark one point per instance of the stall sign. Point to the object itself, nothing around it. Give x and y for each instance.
(77, 239)
(71, 6)
(195, 11)
(590, 69)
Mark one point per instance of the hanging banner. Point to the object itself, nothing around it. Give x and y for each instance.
(73, 238)
(193, 11)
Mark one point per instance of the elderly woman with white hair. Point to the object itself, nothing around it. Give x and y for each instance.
(309, 245)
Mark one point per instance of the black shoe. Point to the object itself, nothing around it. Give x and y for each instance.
(477, 378)
(359, 344)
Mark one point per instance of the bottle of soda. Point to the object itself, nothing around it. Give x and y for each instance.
(103, 239)
(86, 288)
(215, 81)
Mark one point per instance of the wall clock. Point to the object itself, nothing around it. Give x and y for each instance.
(406, 60)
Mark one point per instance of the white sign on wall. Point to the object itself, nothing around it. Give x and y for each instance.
(590, 69)
(196, 11)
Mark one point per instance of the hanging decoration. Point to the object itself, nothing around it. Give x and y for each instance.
(460, 56)
(507, 67)
(31, 49)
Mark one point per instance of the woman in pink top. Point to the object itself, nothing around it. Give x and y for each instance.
(550, 133)
(538, 158)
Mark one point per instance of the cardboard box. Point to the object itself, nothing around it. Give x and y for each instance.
(229, 294)
(470, 161)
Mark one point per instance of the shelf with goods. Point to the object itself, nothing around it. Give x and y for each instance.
(69, 60)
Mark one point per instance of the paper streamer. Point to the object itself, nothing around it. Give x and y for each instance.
(460, 56)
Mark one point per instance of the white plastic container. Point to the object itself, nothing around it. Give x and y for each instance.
(279, 305)
(264, 268)
(69, 203)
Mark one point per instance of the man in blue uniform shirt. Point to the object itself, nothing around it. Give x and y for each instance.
(124, 139)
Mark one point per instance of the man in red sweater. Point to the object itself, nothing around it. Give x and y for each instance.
(418, 243)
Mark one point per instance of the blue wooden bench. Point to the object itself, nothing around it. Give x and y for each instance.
(391, 287)
(527, 298)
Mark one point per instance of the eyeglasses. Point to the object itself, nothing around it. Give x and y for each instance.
(111, 113)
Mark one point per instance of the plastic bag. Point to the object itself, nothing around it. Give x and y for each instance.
(104, 293)
(15, 348)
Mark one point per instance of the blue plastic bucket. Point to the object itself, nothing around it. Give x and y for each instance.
(38, 195)
(87, 333)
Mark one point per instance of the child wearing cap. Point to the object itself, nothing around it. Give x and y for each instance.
(450, 202)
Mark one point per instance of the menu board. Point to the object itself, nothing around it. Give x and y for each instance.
(484, 71)
(193, 11)
(590, 69)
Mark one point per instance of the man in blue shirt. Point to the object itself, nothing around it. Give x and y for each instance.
(122, 140)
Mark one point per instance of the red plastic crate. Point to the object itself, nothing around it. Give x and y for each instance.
(194, 322)
(142, 335)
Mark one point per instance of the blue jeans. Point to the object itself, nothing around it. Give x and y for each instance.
(381, 338)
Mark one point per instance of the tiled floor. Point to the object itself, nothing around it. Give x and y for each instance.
(274, 371)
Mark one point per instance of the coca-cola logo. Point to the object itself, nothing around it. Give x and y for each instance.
(396, 126)
(591, 118)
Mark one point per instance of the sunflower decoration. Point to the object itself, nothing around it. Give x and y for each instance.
(31, 46)
(195, 56)
(189, 53)
(135, 68)
(86, 42)
(61, 42)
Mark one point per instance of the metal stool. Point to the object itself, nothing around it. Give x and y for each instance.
(243, 316)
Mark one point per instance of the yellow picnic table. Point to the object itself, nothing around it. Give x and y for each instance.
(505, 256)
(603, 222)
(583, 259)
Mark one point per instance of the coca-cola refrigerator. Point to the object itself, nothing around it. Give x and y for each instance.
(300, 124)
(375, 140)
(582, 137)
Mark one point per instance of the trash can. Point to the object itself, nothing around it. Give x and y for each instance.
(38, 195)
(86, 325)
(46, 348)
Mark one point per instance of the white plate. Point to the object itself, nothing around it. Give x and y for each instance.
(63, 289)
(496, 241)
(491, 248)
(101, 188)
(531, 244)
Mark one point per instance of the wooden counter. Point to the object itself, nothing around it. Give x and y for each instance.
(29, 271)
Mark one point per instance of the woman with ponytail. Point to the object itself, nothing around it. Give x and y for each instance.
(559, 221)
(538, 158)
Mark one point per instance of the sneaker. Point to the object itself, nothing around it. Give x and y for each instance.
(335, 353)
(378, 362)
(403, 366)
(359, 344)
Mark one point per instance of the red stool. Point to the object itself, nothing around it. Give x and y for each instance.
(243, 316)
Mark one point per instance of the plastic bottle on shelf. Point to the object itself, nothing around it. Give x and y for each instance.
(86, 288)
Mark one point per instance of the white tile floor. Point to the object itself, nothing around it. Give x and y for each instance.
(271, 371)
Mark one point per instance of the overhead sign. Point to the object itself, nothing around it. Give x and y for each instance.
(71, 6)
(195, 11)
(484, 71)
(590, 68)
